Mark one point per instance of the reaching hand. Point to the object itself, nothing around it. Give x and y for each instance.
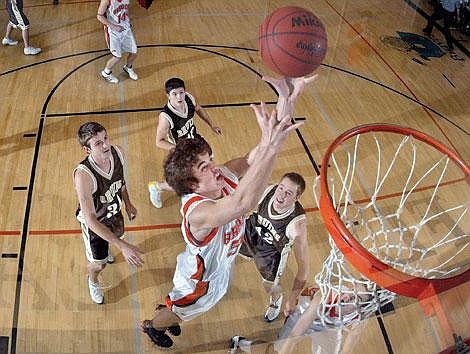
(273, 131)
(290, 87)
(131, 254)
(290, 306)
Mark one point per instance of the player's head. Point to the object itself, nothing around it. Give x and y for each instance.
(94, 140)
(173, 84)
(87, 131)
(178, 167)
(288, 191)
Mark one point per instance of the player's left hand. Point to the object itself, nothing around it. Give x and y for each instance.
(131, 212)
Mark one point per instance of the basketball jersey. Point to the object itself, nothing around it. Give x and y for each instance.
(181, 124)
(118, 13)
(203, 270)
(272, 229)
(106, 191)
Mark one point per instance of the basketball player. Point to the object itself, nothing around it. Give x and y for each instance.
(214, 203)
(175, 122)
(101, 189)
(278, 224)
(114, 15)
(17, 19)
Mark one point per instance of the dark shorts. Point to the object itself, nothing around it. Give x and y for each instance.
(16, 14)
(96, 247)
(266, 259)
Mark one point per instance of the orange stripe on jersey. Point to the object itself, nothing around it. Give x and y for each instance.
(230, 182)
(106, 35)
(190, 236)
(199, 291)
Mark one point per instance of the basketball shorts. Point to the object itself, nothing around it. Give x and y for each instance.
(266, 260)
(17, 17)
(96, 248)
(120, 42)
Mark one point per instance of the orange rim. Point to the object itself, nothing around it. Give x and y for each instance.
(374, 269)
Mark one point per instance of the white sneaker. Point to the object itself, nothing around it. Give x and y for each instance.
(110, 256)
(96, 293)
(109, 77)
(274, 309)
(9, 41)
(155, 195)
(132, 74)
(235, 344)
(31, 50)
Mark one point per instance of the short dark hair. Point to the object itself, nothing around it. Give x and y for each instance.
(87, 131)
(298, 180)
(178, 164)
(174, 83)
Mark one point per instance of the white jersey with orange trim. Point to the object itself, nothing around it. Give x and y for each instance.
(118, 13)
(204, 269)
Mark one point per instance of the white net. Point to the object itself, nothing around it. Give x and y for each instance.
(407, 205)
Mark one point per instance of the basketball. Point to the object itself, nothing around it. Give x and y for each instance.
(292, 41)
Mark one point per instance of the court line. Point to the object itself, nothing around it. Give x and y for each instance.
(177, 226)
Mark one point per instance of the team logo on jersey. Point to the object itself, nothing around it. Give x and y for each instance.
(267, 230)
(108, 196)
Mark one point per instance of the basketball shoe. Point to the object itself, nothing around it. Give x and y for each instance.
(96, 293)
(31, 50)
(274, 309)
(109, 77)
(155, 194)
(235, 344)
(157, 336)
(132, 74)
(9, 41)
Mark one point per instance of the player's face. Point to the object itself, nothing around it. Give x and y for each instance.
(176, 96)
(285, 195)
(209, 176)
(98, 146)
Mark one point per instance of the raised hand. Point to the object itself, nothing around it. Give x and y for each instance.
(274, 130)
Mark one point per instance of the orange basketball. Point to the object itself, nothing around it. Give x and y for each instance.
(292, 41)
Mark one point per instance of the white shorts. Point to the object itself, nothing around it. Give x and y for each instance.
(120, 42)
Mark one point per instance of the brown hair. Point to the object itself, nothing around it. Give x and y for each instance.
(298, 180)
(178, 165)
(87, 131)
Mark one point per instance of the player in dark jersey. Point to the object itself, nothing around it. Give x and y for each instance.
(101, 189)
(278, 224)
(175, 122)
(17, 19)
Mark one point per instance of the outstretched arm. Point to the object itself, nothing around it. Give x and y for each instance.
(201, 112)
(274, 131)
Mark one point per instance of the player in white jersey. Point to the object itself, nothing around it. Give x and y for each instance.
(214, 206)
(114, 15)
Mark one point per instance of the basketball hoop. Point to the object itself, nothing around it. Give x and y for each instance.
(395, 202)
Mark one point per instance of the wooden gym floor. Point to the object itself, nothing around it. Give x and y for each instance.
(211, 44)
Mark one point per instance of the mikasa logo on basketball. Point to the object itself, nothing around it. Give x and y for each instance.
(310, 48)
(111, 192)
(305, 21)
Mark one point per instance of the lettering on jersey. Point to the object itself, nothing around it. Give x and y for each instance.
(120, 8)
(108, 196)
(188, 127)
(268, 233)
(232, 236)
